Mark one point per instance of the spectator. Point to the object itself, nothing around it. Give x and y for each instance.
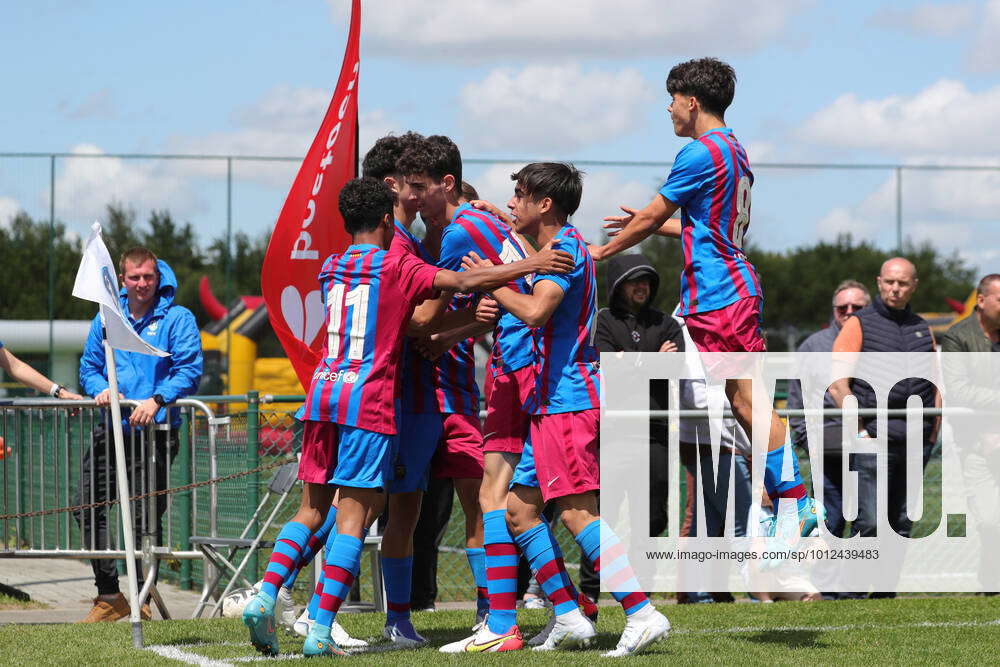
(849, 297)
(148, 299)
(29, 377)
(631, 324)
(888, 324)
(973, 383)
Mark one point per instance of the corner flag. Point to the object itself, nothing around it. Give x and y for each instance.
(96, 281)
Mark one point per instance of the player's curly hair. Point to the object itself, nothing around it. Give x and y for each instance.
(559, 181)
(380, 160)
(710, 80)
(436, 156)
(364, 203)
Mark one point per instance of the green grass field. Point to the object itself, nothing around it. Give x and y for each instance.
(927, 630)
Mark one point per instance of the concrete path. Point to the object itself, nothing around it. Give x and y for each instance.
(66, 586)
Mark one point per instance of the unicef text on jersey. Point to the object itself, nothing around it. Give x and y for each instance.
(910, 463)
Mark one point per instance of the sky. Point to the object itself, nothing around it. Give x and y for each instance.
(852, 83)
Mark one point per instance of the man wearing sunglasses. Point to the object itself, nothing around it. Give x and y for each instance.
(849, 297)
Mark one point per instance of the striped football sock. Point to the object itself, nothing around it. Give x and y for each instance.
(477, 564)
(342, 561)
(501, 571)
(287, 549)
(397, 573)
(611, 562)
(312, 547)
(782, 478)
(537, 547)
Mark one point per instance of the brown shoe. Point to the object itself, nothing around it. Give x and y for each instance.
(145, 613)
(108, 611)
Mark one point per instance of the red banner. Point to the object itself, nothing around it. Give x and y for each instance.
(309, 227)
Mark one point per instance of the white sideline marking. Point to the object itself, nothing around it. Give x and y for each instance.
(176, 652)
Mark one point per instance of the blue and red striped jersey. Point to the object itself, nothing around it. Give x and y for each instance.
(418, 377)
(491, 238)
(567, 378)
(710, 181)
(369, 295)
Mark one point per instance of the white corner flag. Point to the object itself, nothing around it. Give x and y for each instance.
(96, 281)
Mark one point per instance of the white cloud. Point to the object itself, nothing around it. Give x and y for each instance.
(761, 151)
(552, 108)
(8, 209)
(85, 185)
(282, 123)
(939, 19)
(955, 210)
(977, 24)
(984, 54)
(603, 192)
(946, 118)
(484, 30)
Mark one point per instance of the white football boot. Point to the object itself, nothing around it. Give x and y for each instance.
(570, 630)
(641, 629)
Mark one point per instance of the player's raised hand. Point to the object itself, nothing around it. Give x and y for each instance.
(474, 261)
(552, 261)
(614, 223)
(484, 205)
(487, 310)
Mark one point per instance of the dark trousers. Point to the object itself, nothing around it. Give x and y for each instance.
(99, 482)
(435, 511)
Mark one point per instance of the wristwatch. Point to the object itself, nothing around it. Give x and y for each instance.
(159, 400)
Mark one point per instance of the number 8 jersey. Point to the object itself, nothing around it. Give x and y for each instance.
(710, 180)
(369, 295)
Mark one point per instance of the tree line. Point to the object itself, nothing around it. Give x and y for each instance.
(24, 262)
(797, 283)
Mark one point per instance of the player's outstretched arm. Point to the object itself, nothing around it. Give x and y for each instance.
(533, 309)
(486, 275)
(636, 226)
(427, 316)
(29, 377)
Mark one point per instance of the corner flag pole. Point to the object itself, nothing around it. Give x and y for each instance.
(124, 508)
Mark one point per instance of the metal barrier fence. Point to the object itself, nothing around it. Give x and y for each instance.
(234, 439)
(57, 478)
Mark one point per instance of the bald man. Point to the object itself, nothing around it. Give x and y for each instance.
(889, 325)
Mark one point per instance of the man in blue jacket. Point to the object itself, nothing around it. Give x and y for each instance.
(148, 299)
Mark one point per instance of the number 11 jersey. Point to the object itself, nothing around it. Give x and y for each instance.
(369, 295)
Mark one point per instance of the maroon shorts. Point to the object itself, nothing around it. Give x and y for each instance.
(566, 452)
(506, 425)
(735, 328)
(726, 337)
(460, 452)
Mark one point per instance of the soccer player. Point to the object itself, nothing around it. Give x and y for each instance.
(438, 175)
(561, 463)
(350, 422)
(721, 297)
(439, 402)
(379, 163)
